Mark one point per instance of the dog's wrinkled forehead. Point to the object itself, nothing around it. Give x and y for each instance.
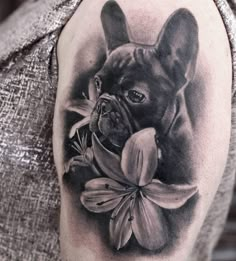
(129, 59)
(121, 59)
(132, 63)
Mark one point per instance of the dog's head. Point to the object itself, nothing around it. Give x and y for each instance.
(137, 82)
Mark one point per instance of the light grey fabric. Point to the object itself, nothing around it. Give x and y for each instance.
(232, 4)
(29, 194)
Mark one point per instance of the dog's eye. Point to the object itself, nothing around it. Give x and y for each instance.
(98, 83)
(136, 97)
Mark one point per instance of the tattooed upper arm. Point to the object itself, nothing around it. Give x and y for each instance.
(143, 92)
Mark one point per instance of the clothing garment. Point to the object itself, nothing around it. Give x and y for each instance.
(29, 191)
(232, 4)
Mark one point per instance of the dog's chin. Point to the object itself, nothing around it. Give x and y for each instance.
(116, 133)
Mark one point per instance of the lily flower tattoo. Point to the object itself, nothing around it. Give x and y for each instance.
(84, 108)
(85, 154)
(132, 193)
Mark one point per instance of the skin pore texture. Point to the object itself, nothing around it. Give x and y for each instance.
(141, 127)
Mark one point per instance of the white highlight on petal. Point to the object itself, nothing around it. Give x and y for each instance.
(84, 107)
(102, 195)
(168, 196)
(78, 125)
(108, 161)
(149, 224)
(120, 224)
(140, 157)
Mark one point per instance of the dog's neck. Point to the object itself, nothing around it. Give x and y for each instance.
(168, 118)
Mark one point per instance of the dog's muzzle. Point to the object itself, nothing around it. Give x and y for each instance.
(111, 119)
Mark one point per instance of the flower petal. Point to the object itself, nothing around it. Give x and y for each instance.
(168, 196)
(140, 156)
(102, 195)
(120, 224)
(93, 94)
(108, 161)
(78, 161)
(84, 107)
(149, 224)
(78, 125)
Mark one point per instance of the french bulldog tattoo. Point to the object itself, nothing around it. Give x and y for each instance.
(130, 141)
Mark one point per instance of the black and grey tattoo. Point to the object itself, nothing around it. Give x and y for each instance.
(128, 148)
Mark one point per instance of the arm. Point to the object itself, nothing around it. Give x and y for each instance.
(143, 93)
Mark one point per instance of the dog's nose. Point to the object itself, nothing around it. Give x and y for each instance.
(105, 107)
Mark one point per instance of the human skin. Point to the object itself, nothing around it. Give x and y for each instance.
(202, 142)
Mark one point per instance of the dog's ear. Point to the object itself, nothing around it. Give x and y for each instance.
(114, 25)
(177, 47)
